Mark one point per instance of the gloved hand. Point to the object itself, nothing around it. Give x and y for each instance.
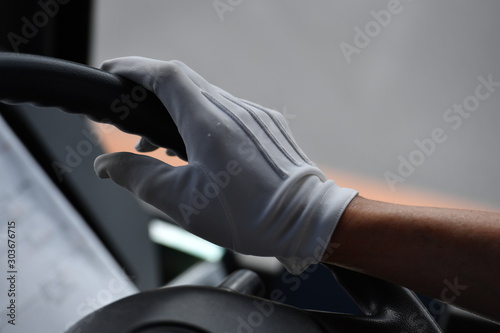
(247, 187)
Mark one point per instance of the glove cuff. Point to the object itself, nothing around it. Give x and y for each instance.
(319, 230)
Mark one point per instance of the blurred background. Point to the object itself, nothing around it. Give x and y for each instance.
(356, 104)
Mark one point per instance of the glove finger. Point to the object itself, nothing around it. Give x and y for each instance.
(170, 153)
(177, 191)
(199, 80)
(180, 95)
(151, 180)
(143, 71)
(204, 84)
(145, 146)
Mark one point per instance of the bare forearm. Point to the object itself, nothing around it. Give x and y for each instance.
(452, 255)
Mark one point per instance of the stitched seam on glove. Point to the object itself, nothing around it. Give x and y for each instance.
(249, 133)
(265, 128)
(284, 132)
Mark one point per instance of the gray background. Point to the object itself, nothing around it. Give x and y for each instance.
(357, 116)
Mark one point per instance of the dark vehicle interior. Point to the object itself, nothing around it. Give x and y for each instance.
(101, 268)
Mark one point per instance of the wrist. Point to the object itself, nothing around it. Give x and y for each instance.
(330, 203)
(345, 240)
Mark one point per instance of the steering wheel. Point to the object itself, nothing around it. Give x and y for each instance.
(102, 96)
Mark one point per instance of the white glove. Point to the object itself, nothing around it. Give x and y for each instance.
(247, 187)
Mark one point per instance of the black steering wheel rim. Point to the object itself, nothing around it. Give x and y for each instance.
(101, 96)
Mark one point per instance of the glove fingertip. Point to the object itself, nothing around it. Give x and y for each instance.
(105, 65)
(170, 152)
(110, 64)
(100, 167)
(145, 146)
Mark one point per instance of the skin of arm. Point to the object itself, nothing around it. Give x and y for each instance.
(448, 254)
